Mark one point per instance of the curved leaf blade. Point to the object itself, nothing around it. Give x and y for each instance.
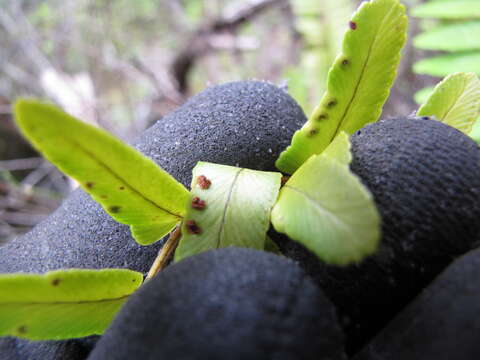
(358, 83)
(454, 37)
(325, 207)
(443, 65)
(128, 185)
(421, 96)
(453, 9)
(455, 101)
(63, 304)
(339, 149)
(237, 209)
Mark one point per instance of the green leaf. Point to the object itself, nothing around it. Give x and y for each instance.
(339, 149)
(453, 9)
(237, 209)
(358, 83)
(443, 65)
(455, 101)
(325, 207)
(129, 186)
(422, 95)
(455, 37)
(63, 304)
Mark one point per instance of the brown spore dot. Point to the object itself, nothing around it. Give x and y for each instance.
(332, 103)
(312, 132)
(55, 281)
(322, 117)
(203, 182)
(192, 227)
(114, 209)
(104, 196)
(121, 188)
(22, 329)
(198, 203)
(353, 25)
(89, 185)
(345, 62)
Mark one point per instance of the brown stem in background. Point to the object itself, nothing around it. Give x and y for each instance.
(199, 43)
(165, 253)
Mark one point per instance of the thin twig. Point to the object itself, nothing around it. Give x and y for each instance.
(21, 164)
(22, 218)
(199, 43)
(36, 176)
(165, 253)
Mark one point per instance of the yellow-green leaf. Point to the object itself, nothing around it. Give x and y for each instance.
(443, 65)
(325, 207)
(455, 101)
(452, 9)
(461, 36)
(339, 149)
(63, 304)
(422, 95)
(358, 83)
(233, 210)
(129, 186)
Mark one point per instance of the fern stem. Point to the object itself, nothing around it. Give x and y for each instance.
(165, 253)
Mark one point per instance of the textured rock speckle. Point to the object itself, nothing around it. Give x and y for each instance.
(442, 323)
(230, 303)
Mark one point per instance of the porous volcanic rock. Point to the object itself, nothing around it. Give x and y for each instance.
(231, 303)
(442, 323)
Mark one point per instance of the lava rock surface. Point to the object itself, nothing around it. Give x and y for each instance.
(425, 180)
(442, 323)
(62, 350)
(242, 123)
(230, 303)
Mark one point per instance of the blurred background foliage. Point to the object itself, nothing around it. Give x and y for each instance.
(450, 31)
(123, 64)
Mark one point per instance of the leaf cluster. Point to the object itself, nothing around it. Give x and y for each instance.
(453, 28)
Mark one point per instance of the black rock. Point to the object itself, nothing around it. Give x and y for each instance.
(52, 350)
(425, 179)
(8, 349)
(443, 323)
(225, 304)
(243, 123)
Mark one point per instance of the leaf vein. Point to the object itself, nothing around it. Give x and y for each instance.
(227, 203)
(118, 177)
(355, 90)
(319, 207)
(30, 303)
(454, 104)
